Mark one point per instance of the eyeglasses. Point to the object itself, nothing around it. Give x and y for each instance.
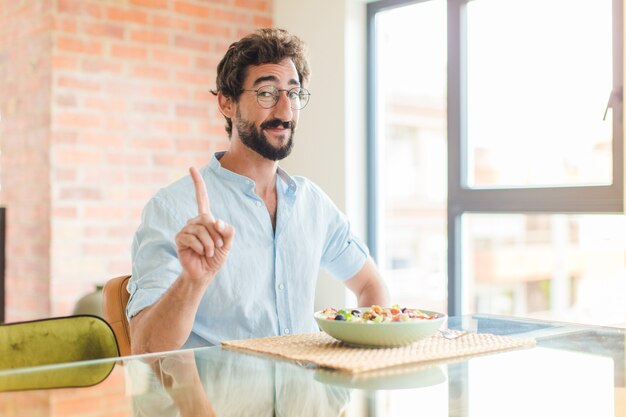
(268, 95)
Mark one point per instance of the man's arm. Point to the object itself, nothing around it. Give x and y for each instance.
(203, 245)
(166, 324)
(368, 286)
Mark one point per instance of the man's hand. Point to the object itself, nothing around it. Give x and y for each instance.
(203, 244)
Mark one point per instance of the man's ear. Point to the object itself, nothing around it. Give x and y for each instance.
(226, 104)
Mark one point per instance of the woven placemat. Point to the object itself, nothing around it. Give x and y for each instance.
(323, 350)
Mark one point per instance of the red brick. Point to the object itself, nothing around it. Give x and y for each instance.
(68, 25)
(104, 29)
(65, 212)
(262, 21)
(105, 212)
(149, 36)
(139, 194)
(103, 140)
(207, 63)
(116, 124)
(65, 174)
(69, 6)
(166, 56)
(73, 157)
(152, 144)
(198, 78)
(193, 145)
(170, 92)
(102, 248)
(79, 7)
(146, 71)
(213, 129)
(130, 52)
(126, 87)
(192, 42)
(78, 83)
(111, 105)
(212, 29)
(64, 62)
(79, 193)
(192, 111)
(126, 15)
(172, 126)
(77, 120)
(127, 159)
(204, 96)
(172, 160)
(156, 4)
(97, 65)
(97, 173)
(191, 9)
(64, 43)
(66, 100)
(167, 22)
(151, 107)
(121, 231)
(260, 5)
(227, 15)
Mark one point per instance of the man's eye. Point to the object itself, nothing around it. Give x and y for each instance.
(293, 95)
(265, 94)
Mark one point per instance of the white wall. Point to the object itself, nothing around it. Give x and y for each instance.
(330, 139)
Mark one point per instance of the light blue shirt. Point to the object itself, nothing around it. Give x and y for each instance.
(267, 285)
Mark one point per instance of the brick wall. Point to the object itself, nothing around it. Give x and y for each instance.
(25, 89)
(103, 102)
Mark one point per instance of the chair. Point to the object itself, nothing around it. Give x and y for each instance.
(44, 344)
(114, 299)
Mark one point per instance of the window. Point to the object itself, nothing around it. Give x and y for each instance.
(496, 169)
(410, 152)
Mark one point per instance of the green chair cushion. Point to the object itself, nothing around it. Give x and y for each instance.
(55, 341)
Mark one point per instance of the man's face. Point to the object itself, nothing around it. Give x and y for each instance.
(268, 132)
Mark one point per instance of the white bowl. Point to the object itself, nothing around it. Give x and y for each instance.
(384, 334)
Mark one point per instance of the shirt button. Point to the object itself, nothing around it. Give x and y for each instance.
(259, 204)
(281, 286)
(286, 331)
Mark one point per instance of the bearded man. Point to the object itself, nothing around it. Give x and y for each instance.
(193, 281)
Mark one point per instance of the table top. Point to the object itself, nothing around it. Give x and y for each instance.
(574, 370)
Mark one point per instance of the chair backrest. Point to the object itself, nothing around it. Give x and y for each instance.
(52, 341)
(114, 299)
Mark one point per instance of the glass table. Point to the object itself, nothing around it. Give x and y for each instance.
(574, 370)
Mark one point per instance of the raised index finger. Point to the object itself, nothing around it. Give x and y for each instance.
(201, 195)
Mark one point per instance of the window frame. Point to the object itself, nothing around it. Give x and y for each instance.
(601, 199)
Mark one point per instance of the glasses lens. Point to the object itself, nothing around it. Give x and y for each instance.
(267, 96)
(298, 97)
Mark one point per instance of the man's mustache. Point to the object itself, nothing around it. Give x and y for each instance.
(270, 124)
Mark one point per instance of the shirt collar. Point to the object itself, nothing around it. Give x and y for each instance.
(290, 187)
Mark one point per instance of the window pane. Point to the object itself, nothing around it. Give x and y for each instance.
(411, 149)
(563, 267)
(539, 79)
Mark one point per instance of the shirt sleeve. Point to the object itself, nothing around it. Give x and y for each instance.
(344, 253)
(155, 263)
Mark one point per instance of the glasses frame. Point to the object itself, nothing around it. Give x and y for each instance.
(276, 94)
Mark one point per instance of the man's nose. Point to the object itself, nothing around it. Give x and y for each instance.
(283, 110)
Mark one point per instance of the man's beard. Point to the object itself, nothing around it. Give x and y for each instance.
(255, 139)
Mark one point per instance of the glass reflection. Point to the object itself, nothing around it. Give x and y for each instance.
(216, 382)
